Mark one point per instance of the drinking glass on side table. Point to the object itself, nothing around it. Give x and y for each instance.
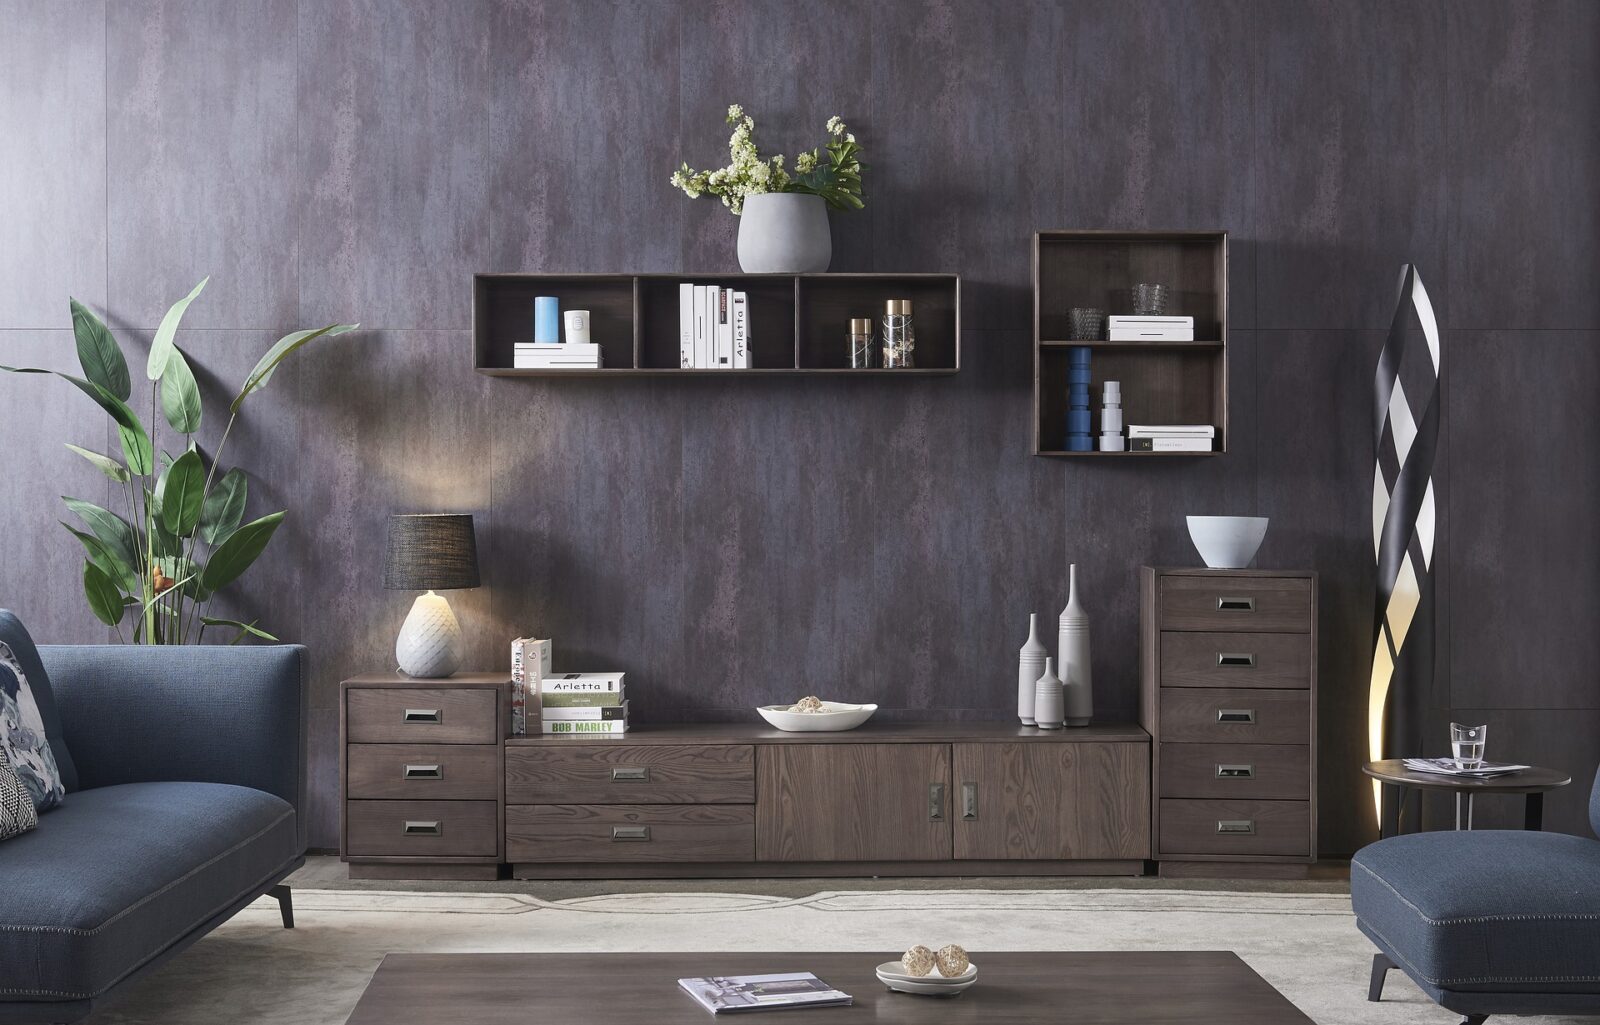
(1466, 745)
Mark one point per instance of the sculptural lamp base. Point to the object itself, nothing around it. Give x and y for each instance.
(429, 644)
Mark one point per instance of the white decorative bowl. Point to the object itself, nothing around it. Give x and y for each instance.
(835, 716)
(1227, 542)
(893, 975)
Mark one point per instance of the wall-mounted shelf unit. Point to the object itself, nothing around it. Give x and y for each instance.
(799, 323)
(1162, 382)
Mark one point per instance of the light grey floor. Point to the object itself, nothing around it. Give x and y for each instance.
(329, 873)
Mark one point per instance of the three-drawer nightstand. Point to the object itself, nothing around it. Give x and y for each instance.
(1228, 661)
(423, 775)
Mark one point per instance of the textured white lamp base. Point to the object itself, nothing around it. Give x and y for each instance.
(429, 644)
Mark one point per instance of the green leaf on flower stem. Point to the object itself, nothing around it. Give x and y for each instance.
(162, 345)
(110, 563)
(224, 508)
(180, 395)
(135, 442)
(112, 530)
(105, 600)
(98, 353)
(105, 464)
(235, 555)
(183, 494)
(281, 349)
(245, 629)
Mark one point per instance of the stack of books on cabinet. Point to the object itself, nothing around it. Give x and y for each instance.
(1171, 437)
(556, 356)
(713, 328)
(543, 701)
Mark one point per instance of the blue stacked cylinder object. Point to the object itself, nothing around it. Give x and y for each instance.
(1078, 417)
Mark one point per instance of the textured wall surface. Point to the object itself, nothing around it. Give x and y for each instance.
(730, 542)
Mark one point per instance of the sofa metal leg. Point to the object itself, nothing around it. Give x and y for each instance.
(285, 903)
(1380, 968)
(1474, 1019)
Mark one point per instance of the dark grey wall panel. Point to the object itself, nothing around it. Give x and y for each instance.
(734, 542)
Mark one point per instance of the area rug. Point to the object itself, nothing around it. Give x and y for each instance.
(252, 970)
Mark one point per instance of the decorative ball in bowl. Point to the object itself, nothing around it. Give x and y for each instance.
(813, 715)
(1227, 542)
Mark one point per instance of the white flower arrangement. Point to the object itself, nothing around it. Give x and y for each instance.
(832, 171)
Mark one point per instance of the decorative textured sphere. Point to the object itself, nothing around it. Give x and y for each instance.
(918, 960)
(811, 703)
(952, 961)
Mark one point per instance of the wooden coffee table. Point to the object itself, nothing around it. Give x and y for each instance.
(1210, 987)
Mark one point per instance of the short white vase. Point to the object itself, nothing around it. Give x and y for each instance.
(1047, 710)
(429, 644)
(1030, 666)
(784, 233)
(1073, 641)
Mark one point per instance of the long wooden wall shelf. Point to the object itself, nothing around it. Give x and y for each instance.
(1162, 382)
(799, 323)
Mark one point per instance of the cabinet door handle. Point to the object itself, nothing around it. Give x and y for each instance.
(969, 802)
(625, 773)
(1236, 772)
(1237, 827)
(424, 715)
(1236, 715)
(620, 833)
(1237, 660)
(1236, 604)
(424, 772)
(423, 829)
(936, 802)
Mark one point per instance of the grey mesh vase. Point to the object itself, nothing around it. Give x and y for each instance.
(784, 233)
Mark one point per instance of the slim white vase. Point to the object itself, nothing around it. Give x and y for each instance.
(1030, 666)
(429, 644)
(1047, 712)
(1073, 641)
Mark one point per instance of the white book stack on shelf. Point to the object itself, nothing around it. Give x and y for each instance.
(556, 356)
(1171, 437)
(713, 328)
(1149, 329)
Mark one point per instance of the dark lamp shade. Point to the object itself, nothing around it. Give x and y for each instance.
(431, 552)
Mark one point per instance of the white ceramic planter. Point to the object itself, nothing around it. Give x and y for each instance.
(784, 233)
(1227, 542)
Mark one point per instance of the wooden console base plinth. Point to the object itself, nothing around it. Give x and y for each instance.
(389, 870)
(827, 869)
(1234, 870)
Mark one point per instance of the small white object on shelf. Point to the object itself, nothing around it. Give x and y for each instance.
(1149, 329)
(835, 716)
(1227, 542)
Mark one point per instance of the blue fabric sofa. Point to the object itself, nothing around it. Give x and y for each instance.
(185, 775)
(1486, 922)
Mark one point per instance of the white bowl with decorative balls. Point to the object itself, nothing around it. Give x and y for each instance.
(1227, 542)
(813, 715)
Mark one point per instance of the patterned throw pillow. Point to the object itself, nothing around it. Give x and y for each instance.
(22, 736)
(16, 805)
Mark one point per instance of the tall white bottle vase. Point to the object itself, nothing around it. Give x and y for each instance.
(1030, 666)
(1073, 648)
(1047, 710)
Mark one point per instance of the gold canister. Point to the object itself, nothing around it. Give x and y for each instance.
(861, 343)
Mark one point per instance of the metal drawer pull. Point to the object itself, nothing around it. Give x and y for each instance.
(641, 773)
(424, 772)
(630, 832)
(1238, 827)
(1236, 715)
(422, 829)
(1236, 772)
(424, 715)
(969, 802)
(1225, 658)
(1236, 604)
(936, 802)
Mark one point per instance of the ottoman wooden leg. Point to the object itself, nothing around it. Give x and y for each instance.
(1380, 968)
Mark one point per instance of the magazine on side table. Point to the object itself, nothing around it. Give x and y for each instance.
(730, 993)
(1448, 767)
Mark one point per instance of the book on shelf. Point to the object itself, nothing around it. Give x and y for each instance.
(530, 664)
(1170, 443)
(558, 726)
(569, 699)
(1448, 767)
(685, 325)
(741, 331)
(532, 355)
(585, 713)
(724, 350)
(702, 326)
(713, 328)
(583, 683)
(1122, 328)
(721, 994)
(1171, 430)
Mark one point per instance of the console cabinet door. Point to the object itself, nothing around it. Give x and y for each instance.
(1053, 801)
(853, 802)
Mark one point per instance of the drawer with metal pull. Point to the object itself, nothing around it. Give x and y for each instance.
(1235, 604)
(1235, 660)
(559, 771)
(631, 833)
(1279, 772)
(445, 829)
(440, 772)
(1235, 827)
(1235, 715)
(421, 715)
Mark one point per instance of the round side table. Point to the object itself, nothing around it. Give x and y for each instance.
(1532, 782)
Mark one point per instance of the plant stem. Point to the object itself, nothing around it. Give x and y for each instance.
(150, 544)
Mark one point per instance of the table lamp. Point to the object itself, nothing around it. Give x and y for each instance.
(429, 552)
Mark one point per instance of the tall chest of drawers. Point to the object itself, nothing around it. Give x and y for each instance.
(1228, 663)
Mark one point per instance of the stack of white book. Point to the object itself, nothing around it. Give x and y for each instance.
(1127, 328)
(1171, 437)
(713, 328)
(587, 703)
(556, 356)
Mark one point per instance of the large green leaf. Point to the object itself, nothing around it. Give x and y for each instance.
(110, 528)
(135, 442)
(245, 629)
(183, 494)
(162, 345)
(180, 395)
(105, 464)
(278, 353)
(105, 600)
(235, 555)
(224, 508)
(98, 353)
(110, 562)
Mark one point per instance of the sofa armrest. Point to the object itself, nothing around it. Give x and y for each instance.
(208, 714)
